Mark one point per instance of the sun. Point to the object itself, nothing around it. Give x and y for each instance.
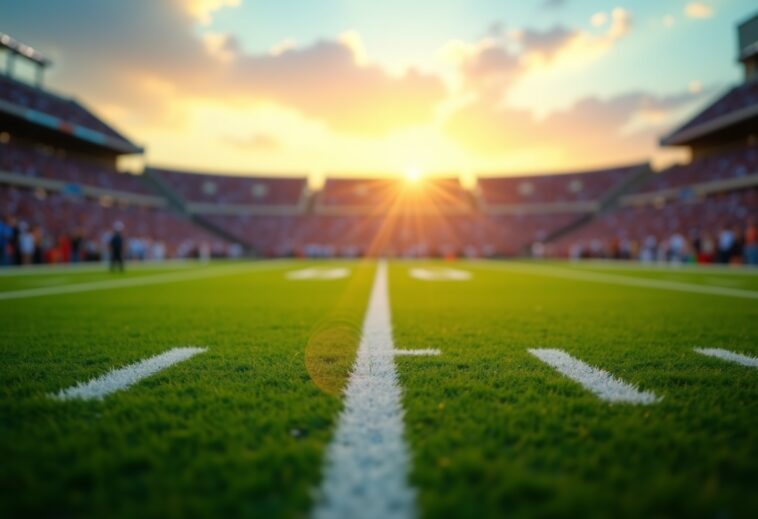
(413, 175)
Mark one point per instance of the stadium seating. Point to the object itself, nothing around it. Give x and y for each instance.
(68, 110)
(379, 196)
(226, 189)
(722, 166)
(57, 216)
(544, 189)
(41, 162)
(623, 232)
(739, 97)
(654, 214)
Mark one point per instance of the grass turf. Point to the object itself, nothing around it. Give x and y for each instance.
(241, 429)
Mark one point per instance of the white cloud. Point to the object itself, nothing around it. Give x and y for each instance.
(202, 10)
(598, 19)
(698, 10)
(283, 46)
(621, 23)
(353, 41)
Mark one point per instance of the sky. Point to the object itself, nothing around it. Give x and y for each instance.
(366, 87)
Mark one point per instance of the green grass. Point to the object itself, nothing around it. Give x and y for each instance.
(71, 275)
(242, 428)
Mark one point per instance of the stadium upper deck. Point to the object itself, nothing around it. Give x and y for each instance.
(45, 110)
(57, 172)
(270, 193)
(381, 196)
(578, 187)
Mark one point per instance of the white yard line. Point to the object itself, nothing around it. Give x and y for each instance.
(684, 268)
(729, 356)
(89, 267)
(118, 379)
(153, 279)
(597, 277)
(600, 382)
(439, 274)
(367, 462)
(318, 273)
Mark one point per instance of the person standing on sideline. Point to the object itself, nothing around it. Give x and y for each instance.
(5, 235)
(726, 242)
(751, 243)
(26, 243)
(117, 248)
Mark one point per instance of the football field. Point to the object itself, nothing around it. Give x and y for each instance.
(379, 388)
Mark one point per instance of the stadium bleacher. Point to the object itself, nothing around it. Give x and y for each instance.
(550, 188)
(59, 185)
(227, 189)
(56, 218)
(58, 175)
(625, 232)
(55, 164)
(733, 164)
(45, 102)
(738, 98)
(380, 195)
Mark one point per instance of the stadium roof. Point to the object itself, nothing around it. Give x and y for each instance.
(25, 51)
(735, 114)
(747, 34)
(41, 108)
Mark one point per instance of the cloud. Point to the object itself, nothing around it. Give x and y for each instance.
(160, 68)
(327, 81)
(545, 43)
(255, 142)
(148, 42)
(621, 23)
(698, 10)
(494, 63)
(624, 127)
(599, 19)
(202, 10)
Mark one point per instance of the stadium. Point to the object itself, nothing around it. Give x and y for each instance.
(194, 342)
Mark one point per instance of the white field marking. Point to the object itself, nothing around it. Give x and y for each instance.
(367, 461)
(122, 378)
(597, 277)
(684, 268)
(318, 273)
(417, 353)
(153, 279)
(600, 382)
(439, 274)
(729, 356)
(89, 267)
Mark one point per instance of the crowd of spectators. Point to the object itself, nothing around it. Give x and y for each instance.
(37, 226)
(719, 228)
(432, 195)
(400, 234)
(225, 189)
(67, 110)
(51, 163)
(739, 97)
(721, 166)
(542, 189)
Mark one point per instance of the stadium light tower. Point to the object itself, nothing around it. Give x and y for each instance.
(747, 33)
(15, 49)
